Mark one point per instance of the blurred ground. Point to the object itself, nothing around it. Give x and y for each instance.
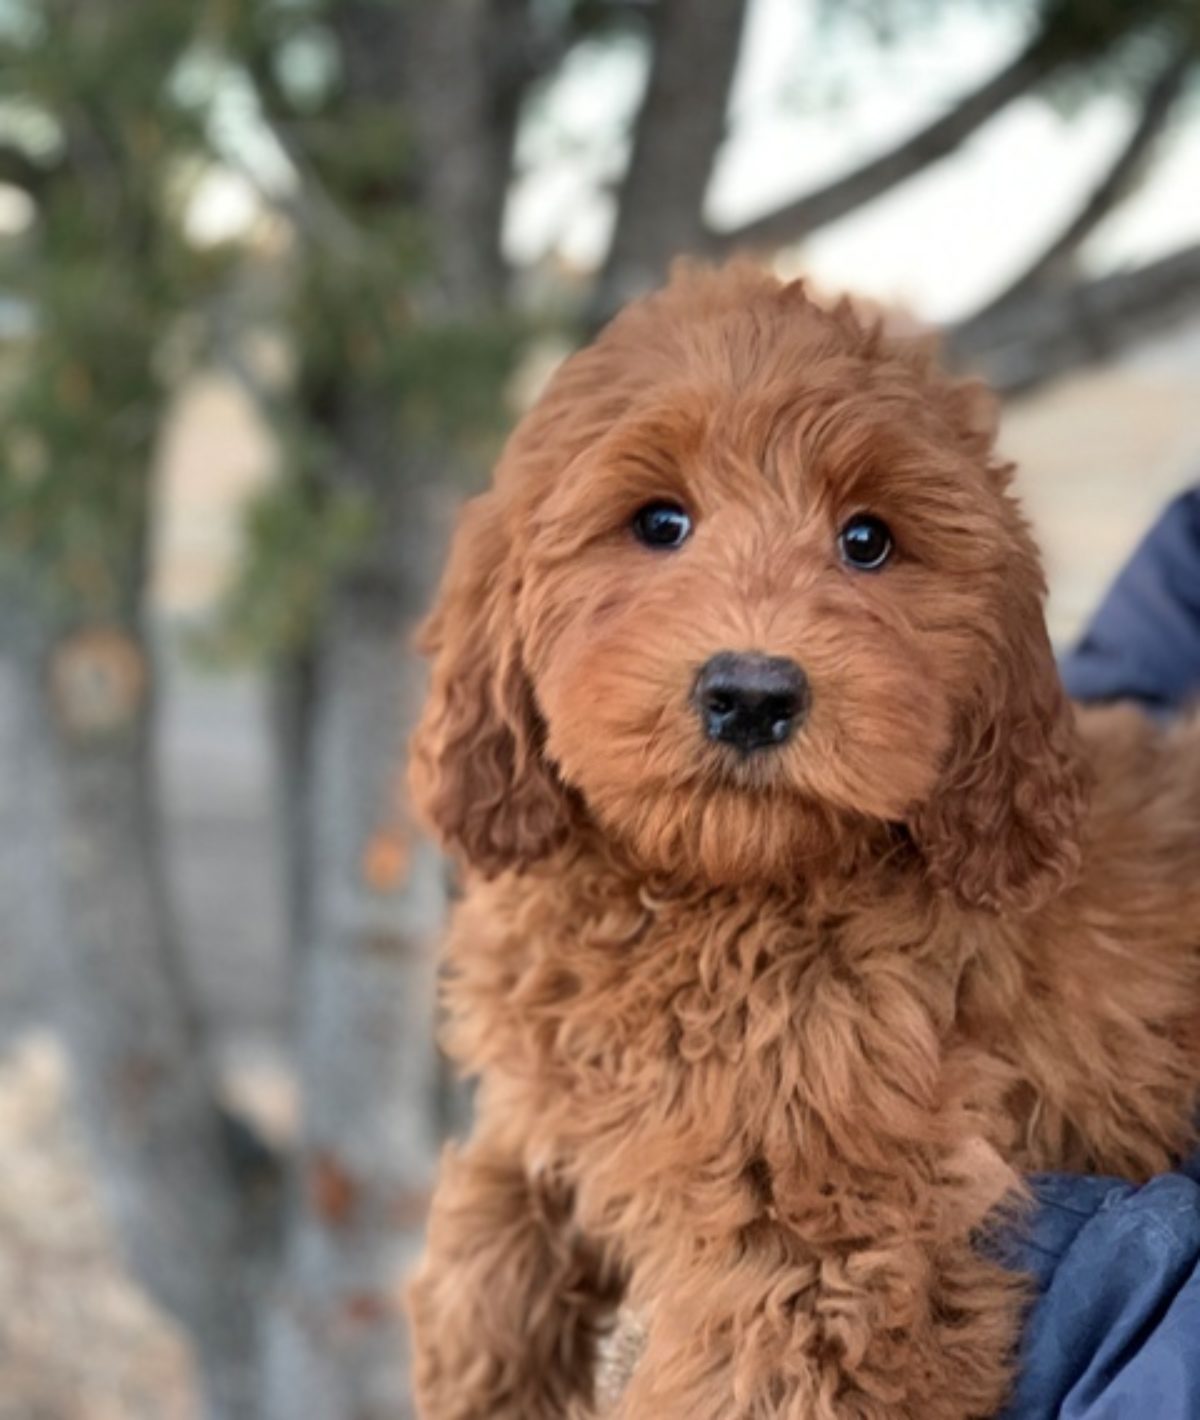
(1099, 455)
(77, 1341)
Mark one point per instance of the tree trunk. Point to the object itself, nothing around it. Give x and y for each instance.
(375, 894)
(463, 124)
(192, 1230)
(368, 1060)
(291, 708)
(678, 131)
(443, 65)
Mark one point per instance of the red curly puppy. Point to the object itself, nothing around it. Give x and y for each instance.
(802, 915)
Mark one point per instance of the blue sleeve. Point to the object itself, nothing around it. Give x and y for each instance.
(1114, 1333)
(1144, 641)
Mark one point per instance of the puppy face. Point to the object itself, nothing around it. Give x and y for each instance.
(754, 594)
(719, 679)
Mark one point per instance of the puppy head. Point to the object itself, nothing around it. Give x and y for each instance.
(749, 593)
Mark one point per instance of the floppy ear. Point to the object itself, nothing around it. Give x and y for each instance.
(476, 768)
(1002, 829)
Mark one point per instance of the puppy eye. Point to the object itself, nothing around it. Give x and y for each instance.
(662, 524)
(865, 542)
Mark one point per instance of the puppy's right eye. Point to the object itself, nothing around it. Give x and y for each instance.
(662, 525)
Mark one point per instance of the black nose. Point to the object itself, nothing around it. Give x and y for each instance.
(750, 701)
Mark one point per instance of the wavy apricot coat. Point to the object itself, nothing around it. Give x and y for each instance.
(766, 1045)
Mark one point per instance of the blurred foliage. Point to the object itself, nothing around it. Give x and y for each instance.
(103, 272)
(108, 115)
(360, 338)
(295, 546)
(373, 368)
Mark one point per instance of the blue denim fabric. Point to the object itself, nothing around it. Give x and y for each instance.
(1144, 642)
(1115, 1331)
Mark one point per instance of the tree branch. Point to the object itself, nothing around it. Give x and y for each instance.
(878, 175)
(1112, 189)
(18, 169)
(678, 131)
(1046, 333)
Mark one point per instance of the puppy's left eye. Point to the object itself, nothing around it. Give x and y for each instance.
(865, 542)
(662, 524)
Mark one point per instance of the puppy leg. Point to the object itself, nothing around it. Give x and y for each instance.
(890, 1332)
(509, 1300)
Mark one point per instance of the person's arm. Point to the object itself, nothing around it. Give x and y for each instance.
(1114, 1333)
(1143, 643)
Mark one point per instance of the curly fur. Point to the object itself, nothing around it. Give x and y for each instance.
(766, 1044)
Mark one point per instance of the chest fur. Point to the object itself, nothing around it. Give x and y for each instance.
(699, 1028)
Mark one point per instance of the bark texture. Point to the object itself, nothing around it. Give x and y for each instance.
(367, 1057)
(375, 892)
(194, 1228)
(660, 207)
(461, 70)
